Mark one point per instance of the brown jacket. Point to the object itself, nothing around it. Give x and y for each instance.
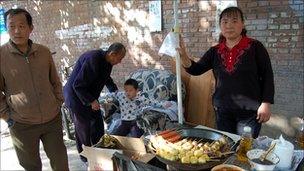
(31, 91)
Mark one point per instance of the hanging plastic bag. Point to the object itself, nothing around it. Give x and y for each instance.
(169, 45)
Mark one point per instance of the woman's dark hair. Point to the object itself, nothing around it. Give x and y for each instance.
(230, 11)
(132, 82)
(117, 48)
(18, 11)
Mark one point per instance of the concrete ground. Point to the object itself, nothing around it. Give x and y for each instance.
(9, 159)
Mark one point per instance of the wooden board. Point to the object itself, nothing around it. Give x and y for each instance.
(199, 106)
(198, 102)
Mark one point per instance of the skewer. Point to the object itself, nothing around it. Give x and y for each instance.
(200, 140)
(214, 160)
(188, 139)
(223, 154)
(212, 143)
(213, 155)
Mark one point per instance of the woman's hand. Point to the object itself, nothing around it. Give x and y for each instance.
(95, 105)
(183, 54)
(263, 114)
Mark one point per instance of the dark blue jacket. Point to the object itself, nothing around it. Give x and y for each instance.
(90, 74)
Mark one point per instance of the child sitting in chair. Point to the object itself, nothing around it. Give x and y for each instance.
(131, 106)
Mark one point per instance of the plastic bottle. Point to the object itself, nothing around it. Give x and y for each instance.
(245, 144)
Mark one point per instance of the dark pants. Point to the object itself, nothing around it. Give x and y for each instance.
(234, 120)
(124, 128)
(89, 129)
(26, 139)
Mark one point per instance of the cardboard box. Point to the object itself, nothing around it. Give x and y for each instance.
(101, 158)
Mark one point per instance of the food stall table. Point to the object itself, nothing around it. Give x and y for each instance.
(298, 158)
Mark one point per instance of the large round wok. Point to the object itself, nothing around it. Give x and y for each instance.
(207, 136)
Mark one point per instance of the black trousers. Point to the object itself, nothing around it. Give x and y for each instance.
(123, 128)
(234, 120)
(89, 128)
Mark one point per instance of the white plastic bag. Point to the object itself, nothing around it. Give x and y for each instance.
(169, 45)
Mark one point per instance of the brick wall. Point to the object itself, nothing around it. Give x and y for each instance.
(72, 27)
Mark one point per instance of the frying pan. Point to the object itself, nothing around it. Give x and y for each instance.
(207, 136)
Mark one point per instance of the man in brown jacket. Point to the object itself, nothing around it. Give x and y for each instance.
(31, 95)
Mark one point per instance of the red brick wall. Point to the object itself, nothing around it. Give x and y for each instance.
(68, 28)
(73, 27)
(277, 24)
